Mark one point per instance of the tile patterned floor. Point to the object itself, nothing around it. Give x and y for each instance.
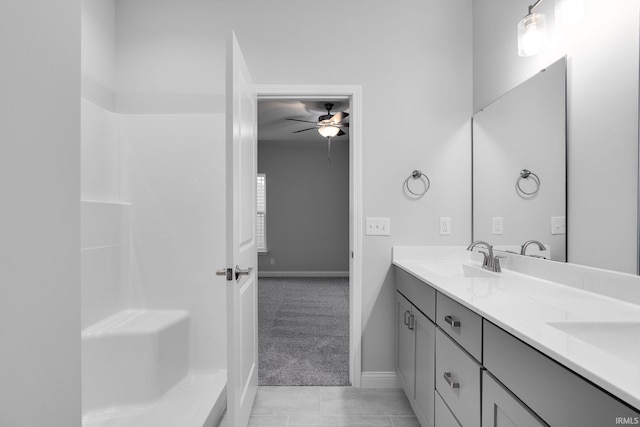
(330, 406)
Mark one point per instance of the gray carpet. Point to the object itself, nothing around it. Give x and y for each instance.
(303, 336)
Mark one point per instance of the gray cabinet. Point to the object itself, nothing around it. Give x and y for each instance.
(425, 332)
(500, 408)
(468, 372)
(406, 354)
(421, 295)
(416, 358)
(461, 324)
(458, 380)
(553, 392)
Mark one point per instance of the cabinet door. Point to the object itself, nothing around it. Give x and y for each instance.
(501, 409)
(425, 336)
(406, 346)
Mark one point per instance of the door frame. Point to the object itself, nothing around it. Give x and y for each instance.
(354, 94)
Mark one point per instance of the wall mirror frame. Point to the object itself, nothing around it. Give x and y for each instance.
(519, 167)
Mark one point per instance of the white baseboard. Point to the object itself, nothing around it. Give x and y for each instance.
(379, 380)
(303, 273)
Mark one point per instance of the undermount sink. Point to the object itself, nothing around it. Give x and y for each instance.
(620, 339)
(458, 270)
(469, 271)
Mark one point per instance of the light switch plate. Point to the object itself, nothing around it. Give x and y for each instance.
(378, 226)
(558, 225)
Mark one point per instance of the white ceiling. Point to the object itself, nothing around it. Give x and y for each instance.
(273, 126)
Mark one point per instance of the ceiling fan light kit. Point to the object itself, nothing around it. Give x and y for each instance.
(328, 125)
(328, 130)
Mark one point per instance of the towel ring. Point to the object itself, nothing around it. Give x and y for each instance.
(527, 174)
(416, 174)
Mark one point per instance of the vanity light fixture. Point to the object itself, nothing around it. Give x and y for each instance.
(532, 29)
(532, 32)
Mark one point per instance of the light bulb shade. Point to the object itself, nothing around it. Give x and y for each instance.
(328, 131)
(532, 34)
(569, 12)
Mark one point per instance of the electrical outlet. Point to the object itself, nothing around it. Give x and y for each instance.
(558, 225)
(272, 261)
(497, 225)
(378, 226)
(445, 226)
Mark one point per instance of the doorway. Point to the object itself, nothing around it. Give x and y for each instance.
(326, 286)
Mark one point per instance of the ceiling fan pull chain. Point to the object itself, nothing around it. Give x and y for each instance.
(329, 149)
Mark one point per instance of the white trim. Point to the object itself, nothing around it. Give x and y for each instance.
(354, 94)
(303, 273)
(380, 380)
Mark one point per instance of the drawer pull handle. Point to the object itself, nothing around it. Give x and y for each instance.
(406, 318)
(452, 322)
(452, 384)
(412, 322)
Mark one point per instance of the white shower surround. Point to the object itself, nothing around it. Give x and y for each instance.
(148, 238)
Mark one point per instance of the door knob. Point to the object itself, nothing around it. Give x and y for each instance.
(241, 272)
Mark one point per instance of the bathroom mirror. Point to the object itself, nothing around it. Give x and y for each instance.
(519, 167)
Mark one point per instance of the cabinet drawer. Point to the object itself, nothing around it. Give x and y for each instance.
(419, 293)
(444, 417)
(461, 324)
(553, 392)
(458, 380)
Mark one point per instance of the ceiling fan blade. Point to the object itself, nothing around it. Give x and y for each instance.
(298, 131)
(298, 120)
(343, 125)
(338, 117)
(341, 133)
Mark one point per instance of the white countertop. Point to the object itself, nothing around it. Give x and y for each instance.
(569, 324)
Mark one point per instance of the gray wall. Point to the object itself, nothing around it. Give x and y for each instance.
(414, 66)
(307, 206)
(602, 115)
(40, 214)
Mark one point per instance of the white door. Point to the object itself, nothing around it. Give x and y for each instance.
(242, 309)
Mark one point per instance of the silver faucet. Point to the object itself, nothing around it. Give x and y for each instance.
(490, 262)
(523, 250)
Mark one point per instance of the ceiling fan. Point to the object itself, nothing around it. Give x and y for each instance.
(328, 125)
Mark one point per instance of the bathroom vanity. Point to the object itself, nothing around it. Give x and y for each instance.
(478, 348)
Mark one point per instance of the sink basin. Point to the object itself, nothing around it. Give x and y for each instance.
(620, 339)
(451, 270)
(469, 271)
